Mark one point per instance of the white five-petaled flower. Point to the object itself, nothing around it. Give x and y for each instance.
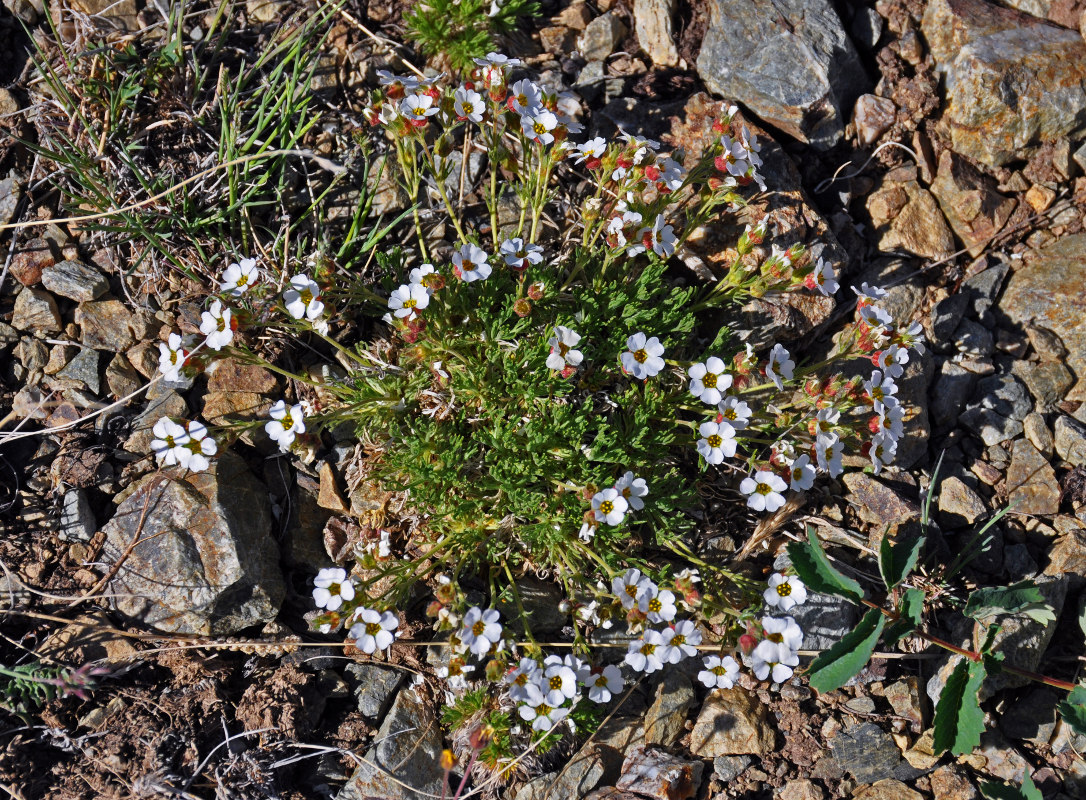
(824, 278)
(892, 421)
(785, 592)
(468, 104)
(802, 474)
(215, 324)
(719, 673)
(892, 360)
(590, 150)
(286, 423)
(541, 714)
(562, 353)
(240, 277)
(169, 443)
(418, 106)
(828, 451)
(764, 490)
(780, 364)
(302, 299)
(200, 446)
(875, 317)
(331, 587)
(868, 294)
(661, 237)
(525, 96)
(643, 654)
(519, 255)
(710, 380)
(657, 604)
(469, 263)
(771, 660)
(558, 684)
(629, 586)
(881, 389)
(642, 359)
(526, 673)
(633, 489)
(419, 273)
(717, 441)
(408, 300)
(481, 630)
(537, 124)
(826, 419)
(373, 630)
(604, 684)
(171, 358)
(609, 506)
(784, 631)
(680, 641)
(883, 450)
(735, 412)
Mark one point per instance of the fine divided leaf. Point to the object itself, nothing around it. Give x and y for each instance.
(1004, 791)
(959, 722)
(896, 561)
(911, 610)
(1073, 710)
(1022, 598)
(834, 667)
(815, 570)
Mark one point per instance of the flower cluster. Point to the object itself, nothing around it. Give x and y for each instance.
(187, 446)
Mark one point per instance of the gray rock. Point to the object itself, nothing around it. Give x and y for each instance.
(121, 377)
(655, 773)
(728, 768)
(1018, 563)
(944, 320)
(1047, 381)
(8, 335)
(732, 722)
(106, 325)
(162, 402)
(373, 687)
(83, 368)
(789, 62)
(1032, 487)
(973, 339)
(540, 600)
(1047, 292)
(1032, 717)
(405, 762)
(997, 413)
(655, 30)
(970, 201)
(952, 389)
(1071, 440)
(959, 505)
(1012, 81)
(77, 523)
(1038, 434)
(867, 752)
(592, 766)
(906, 216)
(208, 565)
(74, 280)
(36, 311)
(600, 36)
(666, 716)
(983, 289)
(825, 619)
(11, 192)
(593, 82)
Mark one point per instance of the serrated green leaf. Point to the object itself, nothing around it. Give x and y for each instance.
(1021, 598)
(834, 667)
(1004, 791)
(1073, 710)
(896, 561)
(911, 611)
(815, 570)
(959, 722)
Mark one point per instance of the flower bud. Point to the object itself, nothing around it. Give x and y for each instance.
(522, 307)
(448, 760)
(494, 670)
(536, 290)
(747, 643)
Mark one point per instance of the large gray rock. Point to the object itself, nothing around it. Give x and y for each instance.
(1000, 405)
(1013, 82)
(788, 61)
(74, 280)
(207, 564)
(1071, 440)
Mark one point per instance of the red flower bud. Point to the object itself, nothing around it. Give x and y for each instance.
(747, 643)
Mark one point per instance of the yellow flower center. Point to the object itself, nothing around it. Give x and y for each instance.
(169, 441)
(718, 670)
(709, 381)
(543, 710)
(306, 296)
(539, 128)
(764, 488)
(601, 681)
(775, 637)
(678, 640)
(729, 414)
(631, 589)
(607, 506)
(655, 605)
(648, 649)
(784, 589)
(555, 683)
(877, 393)
(521, 679)
(640, 356)
(241, 281)
(373, 628)
(478, 628)
(715, 440)
(411, 303)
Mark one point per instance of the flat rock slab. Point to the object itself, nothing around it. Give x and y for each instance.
(1032, 487)
(867, 752)
(732, 722)
(658, 774)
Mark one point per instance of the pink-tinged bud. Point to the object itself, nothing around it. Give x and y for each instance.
(747, 643)
(865, 449)
(434, 281)
(480, 737)
(434, 609)
(593, 163)
(875, 357)
(522, 307)
(718, 126)
(652, 172)
(536, 290)
(494, 670)
(720, 163)
(410, 336)
(568, 371)
(874, 424)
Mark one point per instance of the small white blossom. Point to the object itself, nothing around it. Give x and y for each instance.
(828, 451)
(493, 59)
(882, 452)
(868, 293)
(660, 236)
(892, 360)
(216, 326)
(240, 277)
(525, 97)
(709, 381)
(826, 419)
(562, 353)
(408, 300)
(892, 421)
(784, 631)
(717, 441)
(331, 587)
(802, 474)
(481, 630)
(171, 358)
(633, 489)
(780, 364)
(785, 592)
(657, 604)
(200, 446)
(642, 359)
(629, 587)
(824, 278)
(735, 412)
(469, 263)
(537, 124)
(468, 104)
(418, 106)
(537, 711)
(526, 673)
(169, 443)
(643, 655)
(764, 490)
(373, 630)
(771, 660)
(609, 506)
(604, 684)
(558, 684)
(456, 673)
(519, 255)
(302, 299)
(592, 149)
(286, 424)
(719, 673)
(417, 274)
(881, 389)
(680, 641)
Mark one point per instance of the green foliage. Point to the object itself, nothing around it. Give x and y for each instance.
(835, 667)
(959, 721)
(1022, 598)
(910, 612)
(897, 561)
(1004, 791)
(463, 30)
(815, 570)
(1073, 710)
(27, 687)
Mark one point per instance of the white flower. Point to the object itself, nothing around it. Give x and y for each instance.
(609, 506)
(892, 360)
(592, 149)
(456, 673)
(215, 325)
(386, 78)
(913, 337)
(331, 588)
(828, 451)
(643, 655)
(868, 294)
(525, 96)
(656, 604)
(408, 300)
(200, 446)
(526, 673)
(680, 641)
(661, 237)
(558, 684)
(481, 630)
(825, 279)
(734, 157)
(881, 389)
(892, 421)
(875, 317)
(169, 443)
(171, 358)
(240, 277)
(826, 419)
(588, 530)
(468, 104)
(469, 263)
(709, 381)
(883, 450)
(629, 587)
(302, 299)
(418, 273)
(633, 489)
(562, 353)
(773, 660)
(286, 423)
(497, 60)
(519, 255)
(785, 592)
(418, 106)
(735, 412)
(671, 174)
(717, 441)
(605, 684)
(765, 491)
(779, 362)
(537, 124)
(802, 474)
(537, 711)
(643, 359)
(783, 631)
(374, 630)
(719, 673)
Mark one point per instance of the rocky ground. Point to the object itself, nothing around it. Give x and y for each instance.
(937, 148)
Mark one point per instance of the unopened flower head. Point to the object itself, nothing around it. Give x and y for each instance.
(331, 587)
(240, 277)
(374, 630)
(643, 356)
(710, 380)
(785, 592)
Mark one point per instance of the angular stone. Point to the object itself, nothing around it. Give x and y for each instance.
(790, 63)
(945, 317)
(959, 506)
(222, 408)
(589, 767)
(121, 377)
(970, 202)
(1012, 81)
(1031, 718)
(30, 260)
(983, 289)
(601, 36)
(825, 619)
(208, 564)
(881, 505)
(867, 752)
(948, 783)
(11, 191)
(657, 774)
(801, 789)
(144, 357)
(886, 789)
(541, 601)
(905, 698)
(732, 722)
(973, 339)
(655, 31)
(74, 280)
(872, 117)
(1047, 292)
(168, 403)
(374, 687)
(907, 217)
(1032, 487)
(1038, 433)
(36, 312)
(233, 375)
(8, 335)
(997, 414)
(1047, 381)
(1071, 440)
(77, 523)
(83, 368)
(556, 39)
(728, 768)
(329, 496)
(107, 325)
(1068, 554)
